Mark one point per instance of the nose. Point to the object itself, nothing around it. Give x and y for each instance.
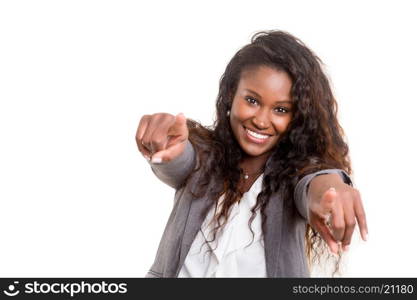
(261, 119)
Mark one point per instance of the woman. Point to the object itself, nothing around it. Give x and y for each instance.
(258, 192)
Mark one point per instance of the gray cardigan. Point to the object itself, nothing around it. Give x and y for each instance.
(284, 240)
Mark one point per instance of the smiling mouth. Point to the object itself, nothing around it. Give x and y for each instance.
(255, 136)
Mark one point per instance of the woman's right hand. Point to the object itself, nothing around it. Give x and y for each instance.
(162, 137)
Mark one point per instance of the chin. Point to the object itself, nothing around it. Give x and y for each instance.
(249, 150)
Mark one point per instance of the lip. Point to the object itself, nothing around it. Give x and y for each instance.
(254, 139)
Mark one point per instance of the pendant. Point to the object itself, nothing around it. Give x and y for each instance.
(246, 176)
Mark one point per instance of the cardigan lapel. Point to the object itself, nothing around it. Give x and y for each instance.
(193, 224)
(273, 235)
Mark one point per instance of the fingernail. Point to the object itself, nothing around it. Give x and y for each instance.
(332, 189)
(346, 248)
(147, 157)
(365, 237)
(156, 160)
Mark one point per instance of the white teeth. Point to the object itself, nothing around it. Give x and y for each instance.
(256, 135)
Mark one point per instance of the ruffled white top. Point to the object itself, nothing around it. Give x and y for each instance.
(234, 253)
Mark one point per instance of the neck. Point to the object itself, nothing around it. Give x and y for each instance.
(253, 164)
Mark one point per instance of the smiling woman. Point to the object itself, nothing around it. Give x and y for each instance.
(256, 118)
(267, 187)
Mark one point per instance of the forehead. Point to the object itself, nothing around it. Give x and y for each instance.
(265, 79)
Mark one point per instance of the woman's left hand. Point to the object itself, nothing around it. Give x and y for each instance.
(334, 210)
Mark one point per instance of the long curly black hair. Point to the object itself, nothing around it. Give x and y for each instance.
(314, 140)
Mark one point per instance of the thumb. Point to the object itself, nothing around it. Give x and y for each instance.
(179, 127)
(326, 203)
(177, 135)
(178, 132)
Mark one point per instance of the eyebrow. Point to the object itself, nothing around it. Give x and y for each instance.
(279, 101)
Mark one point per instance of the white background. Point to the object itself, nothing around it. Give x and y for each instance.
(77, 198)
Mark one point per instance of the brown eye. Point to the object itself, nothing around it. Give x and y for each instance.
(282, 110)
(251, 100)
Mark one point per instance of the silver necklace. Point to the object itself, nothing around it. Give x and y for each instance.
(246, 175)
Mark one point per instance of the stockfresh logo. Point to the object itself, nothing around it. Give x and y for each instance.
(12, 289)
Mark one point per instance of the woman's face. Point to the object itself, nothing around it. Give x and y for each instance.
(261, 109)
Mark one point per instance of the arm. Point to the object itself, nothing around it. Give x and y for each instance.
(332, 207)
(175, 171)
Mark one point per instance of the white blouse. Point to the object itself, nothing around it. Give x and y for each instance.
(229, 258)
